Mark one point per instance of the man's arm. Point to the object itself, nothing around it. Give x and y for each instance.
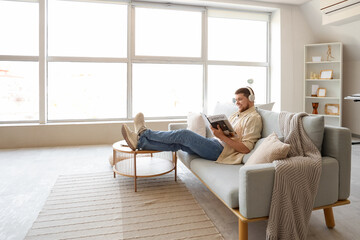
(238, 146)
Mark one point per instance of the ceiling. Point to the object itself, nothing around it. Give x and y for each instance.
(294, 2)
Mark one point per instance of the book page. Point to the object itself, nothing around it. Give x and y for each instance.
(217, 118)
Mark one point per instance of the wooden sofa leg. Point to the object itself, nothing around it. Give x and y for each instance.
(243, 230)
(329, 217)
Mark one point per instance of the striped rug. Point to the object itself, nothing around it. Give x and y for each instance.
(97, 206)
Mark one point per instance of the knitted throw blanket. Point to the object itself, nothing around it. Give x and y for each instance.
(296, 182)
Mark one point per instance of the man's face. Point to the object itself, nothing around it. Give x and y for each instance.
(242, 102)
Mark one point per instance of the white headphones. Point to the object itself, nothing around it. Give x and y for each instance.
(252, 95)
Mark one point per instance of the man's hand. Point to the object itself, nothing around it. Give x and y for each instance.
(238, 146)
(218, 132)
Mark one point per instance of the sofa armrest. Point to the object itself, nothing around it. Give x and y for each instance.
(255, 189)
(177, 126)
(337, 144)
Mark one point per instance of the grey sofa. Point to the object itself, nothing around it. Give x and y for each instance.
(247, 190)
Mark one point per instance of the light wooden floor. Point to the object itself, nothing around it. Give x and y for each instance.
(27, 176)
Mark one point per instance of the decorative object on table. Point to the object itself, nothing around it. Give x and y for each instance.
(326, 74)
(321, 92)
(314, 89)
(316, 59)
(329, 56)
(315, 106)
(332, 109)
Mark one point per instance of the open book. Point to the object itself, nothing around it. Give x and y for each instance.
(222, 121)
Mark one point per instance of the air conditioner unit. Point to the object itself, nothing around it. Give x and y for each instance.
(337, 12)
(332, 6)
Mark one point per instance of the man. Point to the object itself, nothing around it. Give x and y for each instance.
(246, 122)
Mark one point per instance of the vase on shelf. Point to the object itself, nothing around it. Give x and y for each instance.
(315, 106)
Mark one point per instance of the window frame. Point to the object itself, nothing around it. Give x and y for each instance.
(43, 59)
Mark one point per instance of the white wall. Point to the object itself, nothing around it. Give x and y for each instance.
(295, 33)
(66, 134)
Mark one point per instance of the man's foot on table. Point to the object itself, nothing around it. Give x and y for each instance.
(130, 137)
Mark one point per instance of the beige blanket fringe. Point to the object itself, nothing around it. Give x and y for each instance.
(296, 182)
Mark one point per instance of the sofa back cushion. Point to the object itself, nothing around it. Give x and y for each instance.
(313, 126)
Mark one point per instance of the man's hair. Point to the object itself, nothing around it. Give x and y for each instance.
(244, 91)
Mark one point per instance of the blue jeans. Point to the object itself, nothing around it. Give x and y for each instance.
(186, 140)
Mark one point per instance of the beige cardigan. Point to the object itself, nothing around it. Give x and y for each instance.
(248, 126)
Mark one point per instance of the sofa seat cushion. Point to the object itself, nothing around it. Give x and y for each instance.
(256, 182)
(222, 179)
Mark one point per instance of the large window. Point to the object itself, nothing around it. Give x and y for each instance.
(19, 69)
(95, 60)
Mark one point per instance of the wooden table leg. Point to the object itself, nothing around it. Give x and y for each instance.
(114, 157)
(175, 163)
(135, 171)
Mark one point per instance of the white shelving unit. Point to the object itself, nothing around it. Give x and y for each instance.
(333, 86)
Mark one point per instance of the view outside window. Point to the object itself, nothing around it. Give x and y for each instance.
(237, 40)
(86, 90)
(225, 80)
(167, 89)
(19, 91)
(87, 29)
(236, 43)
(93, 89)
(160, 32)
(19, 28)
(19, 81)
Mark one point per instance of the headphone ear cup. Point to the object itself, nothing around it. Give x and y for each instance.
(251, 96)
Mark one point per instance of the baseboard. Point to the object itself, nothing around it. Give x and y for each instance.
(355, 141)
(355, 135)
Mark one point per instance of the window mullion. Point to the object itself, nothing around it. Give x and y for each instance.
(86, 59)
(42, 61)
(130, 55)
(235, 63)
(204, 55)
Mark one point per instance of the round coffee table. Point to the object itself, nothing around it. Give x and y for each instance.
(141, 163)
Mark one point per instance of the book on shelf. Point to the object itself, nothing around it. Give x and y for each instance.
(222, 121)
